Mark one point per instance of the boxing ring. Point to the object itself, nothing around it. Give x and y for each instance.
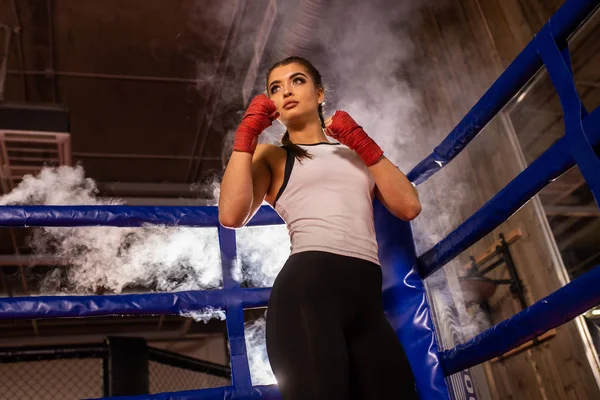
(404, 295)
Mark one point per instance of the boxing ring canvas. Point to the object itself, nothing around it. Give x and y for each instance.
(404, 296)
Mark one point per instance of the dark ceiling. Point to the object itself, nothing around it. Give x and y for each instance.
(152, 86)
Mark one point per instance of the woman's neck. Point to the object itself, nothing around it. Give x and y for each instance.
(307, 134)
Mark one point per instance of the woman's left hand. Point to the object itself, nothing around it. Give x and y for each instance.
(345, 130)
(339, 126)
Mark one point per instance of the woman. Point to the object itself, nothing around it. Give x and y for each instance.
(327, 335)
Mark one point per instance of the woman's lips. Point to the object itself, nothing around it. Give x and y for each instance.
(290, 105)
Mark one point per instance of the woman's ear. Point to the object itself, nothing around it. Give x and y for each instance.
(320, 95)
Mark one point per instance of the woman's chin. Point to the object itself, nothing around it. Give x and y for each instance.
(292, 119)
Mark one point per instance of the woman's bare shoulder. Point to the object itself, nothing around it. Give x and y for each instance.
(268, 148)
(270, 152)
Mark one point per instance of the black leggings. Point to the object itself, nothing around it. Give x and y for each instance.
(327, 335)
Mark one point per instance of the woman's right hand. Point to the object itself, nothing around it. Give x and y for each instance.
(259, 115)
(262, 105)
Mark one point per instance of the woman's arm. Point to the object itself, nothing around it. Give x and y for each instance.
(247, 177)
(245, 184)
(394, 190)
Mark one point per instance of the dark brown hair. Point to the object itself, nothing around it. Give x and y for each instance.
(314, 73)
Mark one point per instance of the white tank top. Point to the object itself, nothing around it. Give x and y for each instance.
(327, 202)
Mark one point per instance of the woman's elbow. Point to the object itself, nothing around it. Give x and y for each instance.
(230, 220)
(410, 212)
(226, 222)
(230, 223)
(415, 211)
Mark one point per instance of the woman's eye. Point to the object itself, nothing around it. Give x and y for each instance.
(274, 89)
(299, 80)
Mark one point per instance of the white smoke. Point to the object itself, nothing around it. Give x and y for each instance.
(167, 258)
(368, 55)
(62, 185)
(205, 315)
(111, 258)
(258, 359)
(208, 25)
(262, 251)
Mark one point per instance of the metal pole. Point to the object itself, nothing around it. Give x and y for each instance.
(51, 45)
(516, 287)
(4, 65)
(96, 75)
(20, 47)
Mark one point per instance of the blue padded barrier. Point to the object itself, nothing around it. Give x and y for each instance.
(122, 216)
(559, 68)
(400, 279)
(405, 303)
(222, 393)
(228, 246)
(563, 23)
(129, 304)
(550, 165)
(240, 369)
(563, 305)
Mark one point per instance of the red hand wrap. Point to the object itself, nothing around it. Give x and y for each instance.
(346, 131)
(259, 115)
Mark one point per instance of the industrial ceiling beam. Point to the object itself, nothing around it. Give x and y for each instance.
(150, 189)
(50, 73)
(573, 211)
(569, 191)
(20, 53)
(591, 228)
(163, 201)
(589, 260)
(210, 105)
(140, 156)
(260, 40)
(4, 63)
(31, 260)
(564, 226)
(50, 12)
(588, 84)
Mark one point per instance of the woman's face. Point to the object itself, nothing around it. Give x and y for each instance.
(294, 92)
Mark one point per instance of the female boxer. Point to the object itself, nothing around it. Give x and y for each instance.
(327, 335)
